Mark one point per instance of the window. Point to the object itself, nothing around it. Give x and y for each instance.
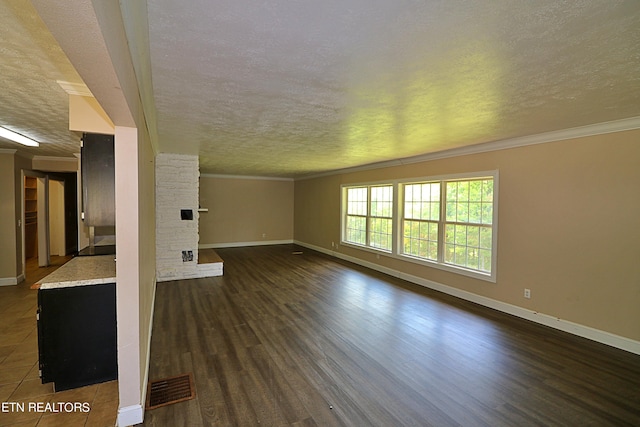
(356, 231)
(447, 223)
(421, 220)
(468, 224)
(450, 222)
(369, 216)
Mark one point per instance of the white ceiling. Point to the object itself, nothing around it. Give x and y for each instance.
(31, 102)
(289, 88)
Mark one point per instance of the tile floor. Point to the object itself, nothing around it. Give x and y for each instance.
(19, 382)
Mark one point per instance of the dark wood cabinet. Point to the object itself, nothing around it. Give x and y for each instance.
(77, 335)
(98, 180)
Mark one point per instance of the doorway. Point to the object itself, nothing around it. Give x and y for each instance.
(50, 219)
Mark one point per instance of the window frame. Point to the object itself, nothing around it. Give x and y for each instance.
(397, 220)
(368, 217)
(440, 262)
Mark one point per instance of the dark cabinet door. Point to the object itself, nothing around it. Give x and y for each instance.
(77, 335)
(98, 180)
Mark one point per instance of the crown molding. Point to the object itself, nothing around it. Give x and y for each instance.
(75, 88)
(8, 150)
(504, 144)
(261, 178)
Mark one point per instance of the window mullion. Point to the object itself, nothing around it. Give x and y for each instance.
(442, 221)
(368, 222)
(397, 218)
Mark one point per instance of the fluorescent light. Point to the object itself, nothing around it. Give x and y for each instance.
(20, 139)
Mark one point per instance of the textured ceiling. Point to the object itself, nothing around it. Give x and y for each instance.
(31, 102)
(282, 88)
(289, 88)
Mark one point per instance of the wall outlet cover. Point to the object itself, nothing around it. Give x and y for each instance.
(187, 256)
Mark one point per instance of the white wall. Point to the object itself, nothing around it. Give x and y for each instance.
(177, 180)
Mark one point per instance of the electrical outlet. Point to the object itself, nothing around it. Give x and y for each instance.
(527, 293)
(187, 256)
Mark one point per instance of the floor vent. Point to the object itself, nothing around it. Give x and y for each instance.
(170, 390)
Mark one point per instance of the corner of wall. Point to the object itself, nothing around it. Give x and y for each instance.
(177, 188)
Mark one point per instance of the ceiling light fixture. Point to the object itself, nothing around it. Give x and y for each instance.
(16, 137)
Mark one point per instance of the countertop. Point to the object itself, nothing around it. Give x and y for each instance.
(82, 271)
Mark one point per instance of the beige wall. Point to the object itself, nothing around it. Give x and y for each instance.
(568, 227)
(57, 164)
(8, 271)
(86, 115)
(242, 210)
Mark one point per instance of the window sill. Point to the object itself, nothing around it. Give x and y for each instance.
(488, 277)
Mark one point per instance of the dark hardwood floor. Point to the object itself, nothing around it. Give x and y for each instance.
(307, 340)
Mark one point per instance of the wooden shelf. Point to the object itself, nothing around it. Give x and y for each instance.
(31, 216)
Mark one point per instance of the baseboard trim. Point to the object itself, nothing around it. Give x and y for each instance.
(243, 244)
(9, 281)
(583, 331)
(130, 415)
(148, 365)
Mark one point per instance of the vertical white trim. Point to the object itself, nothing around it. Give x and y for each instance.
(43, 221)
(128, 275)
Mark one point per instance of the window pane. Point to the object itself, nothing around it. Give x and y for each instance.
(487, 190)
(475, 213)
(460, 235)
(356, 230)
(462, 212)
(475, 191)
(357, 201)
(487, 213)
(451, 211)
(433, 251)
(484, 262)
(421, 201)
(420, 239)
(460, 256)
(473, 236)
(485, 238)
(463, 191)
(433, 232)
(472, 258)
(380, 233)
(435, 211)
(382, 201)
(449, 234)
